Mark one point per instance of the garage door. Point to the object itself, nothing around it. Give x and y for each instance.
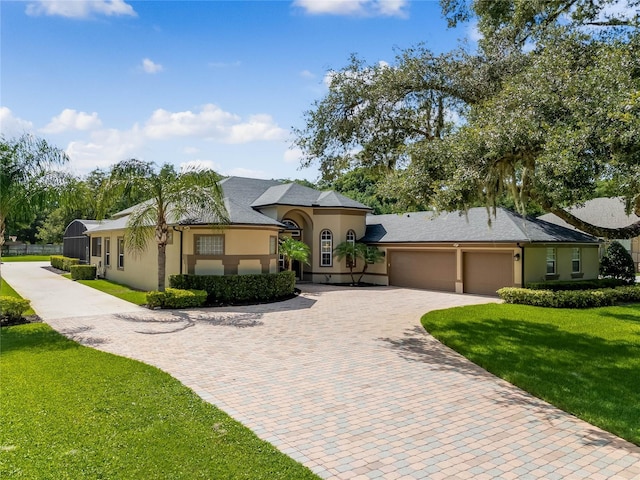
(486, 272)
(421, 269)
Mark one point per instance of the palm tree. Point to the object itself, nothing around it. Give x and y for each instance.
(354, 250)
(192, 193)
(351, 251)
(294, 250)
(27, 177)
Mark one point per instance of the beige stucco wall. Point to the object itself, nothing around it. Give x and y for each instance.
(140, 270)
(243, 246)
(536, 262)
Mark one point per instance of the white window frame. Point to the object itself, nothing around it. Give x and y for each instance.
(120, 253)
(326, 248)
(552, 260)
(209, 245)
(351, 238)
(576, 256)
(107, 251)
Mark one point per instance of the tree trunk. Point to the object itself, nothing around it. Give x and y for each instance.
(162, 261)
(364, 270)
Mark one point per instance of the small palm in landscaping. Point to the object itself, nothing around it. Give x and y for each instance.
(294, 250)
(355, 250)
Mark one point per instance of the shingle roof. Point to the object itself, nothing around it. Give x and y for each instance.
(474, 226)
(603, 212)
(299, 195)
(244, 196)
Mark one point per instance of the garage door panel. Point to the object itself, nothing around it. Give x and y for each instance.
(430, 270)
(486, 272)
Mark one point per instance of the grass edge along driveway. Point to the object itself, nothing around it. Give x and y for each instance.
(69, 411)
(585, 362)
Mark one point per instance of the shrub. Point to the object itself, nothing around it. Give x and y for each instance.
(176, 298)
(556, 285)
(239, 288)
(618, 263)
(63, 263)
(13, 308)
(83, 272)
(570, 298)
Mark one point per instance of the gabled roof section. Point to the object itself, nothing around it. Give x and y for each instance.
(477, 225)
(602, 212)
(298, 195)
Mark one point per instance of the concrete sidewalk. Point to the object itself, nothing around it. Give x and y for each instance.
(53, 296)
(346, 381)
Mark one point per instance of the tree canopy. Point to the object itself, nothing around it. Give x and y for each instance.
(546, 111)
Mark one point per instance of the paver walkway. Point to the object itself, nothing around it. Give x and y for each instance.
(347, 382)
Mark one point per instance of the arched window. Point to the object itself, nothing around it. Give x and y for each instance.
(351, 238)
(292, 228)
(326, 248)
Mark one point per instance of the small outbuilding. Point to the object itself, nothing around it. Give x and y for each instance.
(75, 242)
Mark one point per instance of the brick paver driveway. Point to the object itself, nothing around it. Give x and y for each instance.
(346, 381)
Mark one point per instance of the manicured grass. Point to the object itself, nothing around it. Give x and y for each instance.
(26, 258)
(115, 289)
(586, 362)
(7, 291)
(70, 412)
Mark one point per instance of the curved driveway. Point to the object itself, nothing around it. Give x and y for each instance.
(344, 380)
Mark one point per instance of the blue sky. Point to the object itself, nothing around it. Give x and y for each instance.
(217, 83)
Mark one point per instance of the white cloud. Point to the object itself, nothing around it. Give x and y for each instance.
(212, 123)
(191, 150)
(200, 165)
(292, 155)
(148, 66)
(80, 8)
(11, 126)
(105, 148)
(307, 74)
(473, 33)
(247, 172)
(387, 8)
(72, 120)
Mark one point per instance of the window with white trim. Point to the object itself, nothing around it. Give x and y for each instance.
(209, 244)
(326, 248)
(576, 260)
(351, 238)
(96, 246)
(107, 252)
(273, 245)
(121, 253)
(551, 261)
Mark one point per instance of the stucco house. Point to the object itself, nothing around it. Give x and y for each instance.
(608, 213)
(451, 252)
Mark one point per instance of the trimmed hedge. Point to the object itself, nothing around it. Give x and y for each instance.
(556, 285)
(63, 263)
(83, 272)
(602, 297)
(176, 298)
(264, 287)
(13, 308)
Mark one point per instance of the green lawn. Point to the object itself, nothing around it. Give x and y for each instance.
(26, 258)
(70, 412)
(117, 290)
(586, 362)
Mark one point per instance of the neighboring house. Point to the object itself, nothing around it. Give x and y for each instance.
(76, 241)
(477, 252)
(604, 212)
(445, 252)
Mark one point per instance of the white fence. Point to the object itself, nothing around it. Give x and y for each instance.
(26, 249)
